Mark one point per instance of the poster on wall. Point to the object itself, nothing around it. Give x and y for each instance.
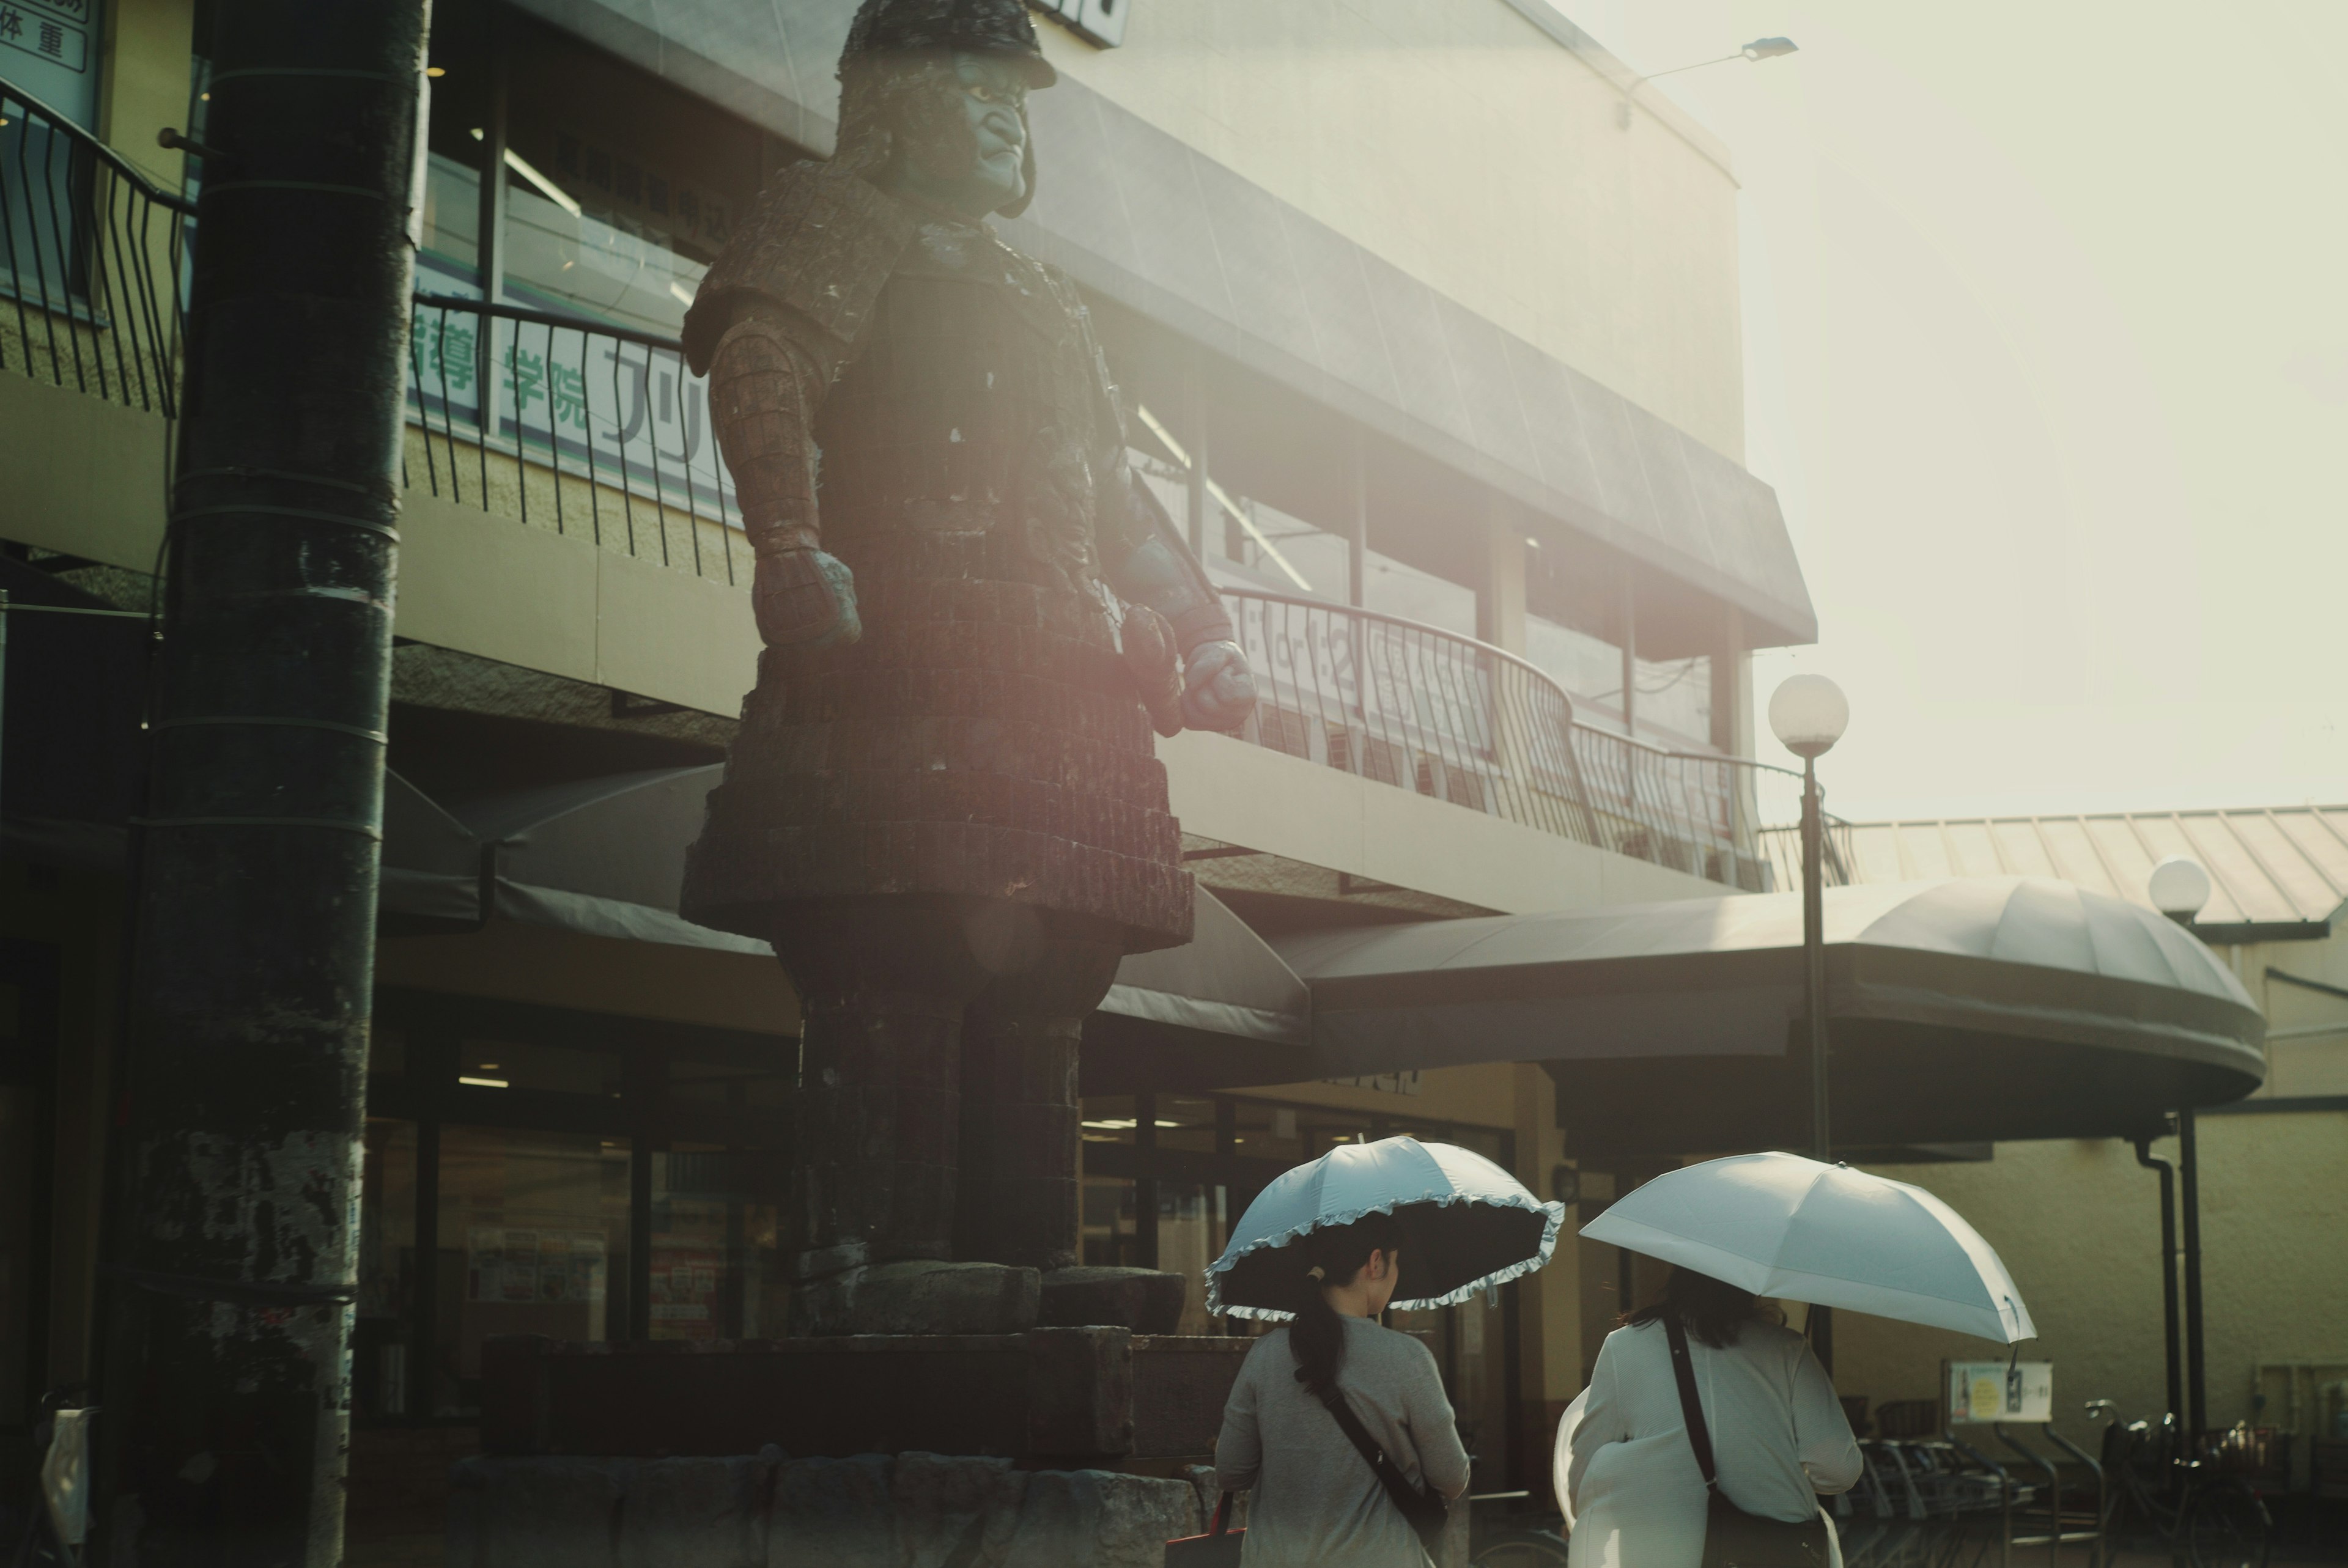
(48, 48)
(1999, 1390)
(48, 51)
(685, 1283)
(591, 400)
(522, 1267)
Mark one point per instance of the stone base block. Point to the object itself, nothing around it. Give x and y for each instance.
(1141, 1300)
(918, 1297)
(870, 1511)
(1066, 1397)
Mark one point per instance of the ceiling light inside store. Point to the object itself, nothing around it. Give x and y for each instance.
(435, 72)
(484, 1082)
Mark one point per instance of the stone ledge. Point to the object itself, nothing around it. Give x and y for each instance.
(1070, 1396)
(870, 1511)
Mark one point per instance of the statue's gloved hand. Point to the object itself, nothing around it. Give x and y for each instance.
(1217, 688)
(805, 598)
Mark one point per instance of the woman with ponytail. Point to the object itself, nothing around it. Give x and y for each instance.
(1314, 1496)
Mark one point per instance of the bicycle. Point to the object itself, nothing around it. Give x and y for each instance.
(1524, 1547)
(2184, 1502)
(1519, 1538)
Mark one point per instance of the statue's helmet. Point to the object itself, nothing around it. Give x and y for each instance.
(899, 47)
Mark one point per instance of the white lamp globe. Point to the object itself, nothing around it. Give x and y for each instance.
(2178, 887)
(1809, 714)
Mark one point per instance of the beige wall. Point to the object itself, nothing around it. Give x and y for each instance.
(2307, 1031)
(145, 84)
(1459, 142)
(2079, 1225)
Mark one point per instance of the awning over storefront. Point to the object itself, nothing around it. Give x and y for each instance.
(605, 857)
(1221, 1012)
(1989, 1007)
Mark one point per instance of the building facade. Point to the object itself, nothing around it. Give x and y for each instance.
(1425, 323)
(2080, 1220)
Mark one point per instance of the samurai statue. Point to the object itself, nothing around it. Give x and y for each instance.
(942, 806)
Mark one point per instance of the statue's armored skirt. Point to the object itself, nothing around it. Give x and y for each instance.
(985, 739)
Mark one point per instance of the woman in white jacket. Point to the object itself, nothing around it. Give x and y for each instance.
(1629, 1479)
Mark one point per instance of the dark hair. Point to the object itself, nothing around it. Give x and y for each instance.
(1713, 1310)
(1317, 1337)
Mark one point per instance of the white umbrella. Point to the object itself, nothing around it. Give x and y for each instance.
(1781, 1226)
(1467, 1225)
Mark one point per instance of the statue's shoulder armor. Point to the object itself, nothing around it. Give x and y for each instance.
(821, 242)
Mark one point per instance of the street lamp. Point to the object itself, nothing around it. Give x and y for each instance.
(2178, 888)
(1809, 714)
(1758, 49)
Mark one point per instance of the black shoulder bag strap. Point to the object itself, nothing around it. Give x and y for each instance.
(1422, 1509)
(1732, 1537)
(1691, 1407)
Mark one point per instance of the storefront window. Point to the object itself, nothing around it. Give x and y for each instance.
(1588, 666)
(382, 1334)
(754, 1086)
(1192, 1227)
(1111, 1236)
(20, 1140)
(1675, 701)
(1262, 1132)
(450, 261)
(717, 1269)
(1109, 1119)
(550, 1069)
(1187, 1122)
(534, 1240)
(386, 1053)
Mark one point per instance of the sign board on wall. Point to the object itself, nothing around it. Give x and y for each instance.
(1100, 22)
(49, 48)
(1999, 1390)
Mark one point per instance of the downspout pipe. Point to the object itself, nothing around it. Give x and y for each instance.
(2189, 1166)
(2171, 1354)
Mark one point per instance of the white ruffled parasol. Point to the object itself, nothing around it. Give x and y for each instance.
(1468, 1224)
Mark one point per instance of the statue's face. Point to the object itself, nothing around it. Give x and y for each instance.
(964, 146)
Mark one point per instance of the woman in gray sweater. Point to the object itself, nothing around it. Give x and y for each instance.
(1314, 1499)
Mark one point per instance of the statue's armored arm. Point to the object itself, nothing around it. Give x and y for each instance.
(1159, 570)
(766, 379)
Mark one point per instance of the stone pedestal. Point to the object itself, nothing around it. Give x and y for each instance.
(770, 1511)
(1077, 1396)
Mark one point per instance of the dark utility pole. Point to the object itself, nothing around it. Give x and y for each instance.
(226, 1408)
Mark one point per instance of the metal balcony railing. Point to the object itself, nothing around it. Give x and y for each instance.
(91, 262)
(601, 431)
(1423, 709)
(573, 426)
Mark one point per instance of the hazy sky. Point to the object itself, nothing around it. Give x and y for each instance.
(2047, 332)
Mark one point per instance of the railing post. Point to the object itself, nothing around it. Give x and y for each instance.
(490, 220)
